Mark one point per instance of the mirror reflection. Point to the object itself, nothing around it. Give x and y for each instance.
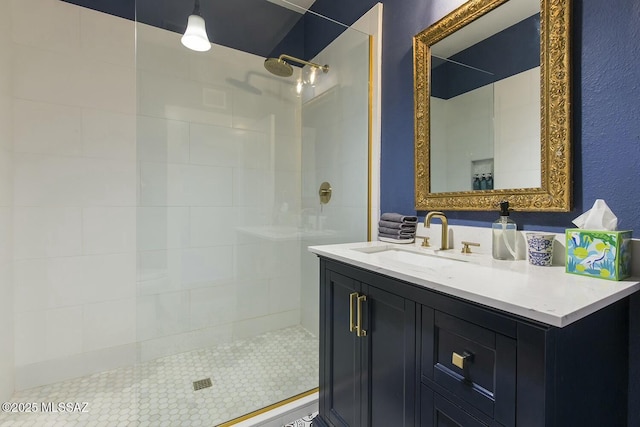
(485, 102)
(522, 140)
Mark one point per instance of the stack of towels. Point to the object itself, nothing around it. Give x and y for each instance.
(397, 227)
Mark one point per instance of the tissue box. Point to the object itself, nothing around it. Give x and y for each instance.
(603, 254)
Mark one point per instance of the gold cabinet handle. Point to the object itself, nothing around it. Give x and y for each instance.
(459, 360)
(359, 331)
(352, 326)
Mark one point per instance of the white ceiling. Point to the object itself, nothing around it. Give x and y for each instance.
(502, 17)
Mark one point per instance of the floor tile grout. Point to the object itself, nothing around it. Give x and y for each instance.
(246, 375)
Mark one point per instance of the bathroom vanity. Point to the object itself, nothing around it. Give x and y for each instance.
(416, 338)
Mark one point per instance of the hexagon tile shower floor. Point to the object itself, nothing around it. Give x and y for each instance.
(246, 375)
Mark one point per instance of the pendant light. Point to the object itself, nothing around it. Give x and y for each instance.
(195, 36)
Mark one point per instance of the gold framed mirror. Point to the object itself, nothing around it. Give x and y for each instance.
(544, 188)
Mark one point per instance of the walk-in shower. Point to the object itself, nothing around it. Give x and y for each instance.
(160, 211)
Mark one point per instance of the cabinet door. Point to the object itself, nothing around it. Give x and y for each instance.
(439, 412)
(389, 374)
(340, 390)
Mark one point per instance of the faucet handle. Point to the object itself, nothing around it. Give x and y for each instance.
(465, 246)
(425, 241)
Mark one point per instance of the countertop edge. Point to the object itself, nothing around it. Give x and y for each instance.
(548, 318)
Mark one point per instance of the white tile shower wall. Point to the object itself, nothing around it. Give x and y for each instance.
(438, 144)
(48, 283)
(6, 251)
(469, 139)
(214, 157)
(517, 108)
(515, 103)
(73, 191)
(335, 149)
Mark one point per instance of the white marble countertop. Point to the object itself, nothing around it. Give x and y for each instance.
(544, 294)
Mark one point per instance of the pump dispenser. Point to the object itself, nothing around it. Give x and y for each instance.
(504, 235)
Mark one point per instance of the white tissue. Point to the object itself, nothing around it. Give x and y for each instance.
(599, 217)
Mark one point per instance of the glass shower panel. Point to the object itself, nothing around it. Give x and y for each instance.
(335, 148)
(229, 160)
(161, 202)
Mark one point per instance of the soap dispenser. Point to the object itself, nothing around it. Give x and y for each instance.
(476, 182)
(504, 235)
(483, 182)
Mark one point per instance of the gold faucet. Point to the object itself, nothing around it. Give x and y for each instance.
(444, 244)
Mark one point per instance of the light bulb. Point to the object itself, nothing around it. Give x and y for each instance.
(195, 36)
(312, 76)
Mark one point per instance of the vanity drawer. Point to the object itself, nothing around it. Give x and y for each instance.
(436, 411)
(474, 363)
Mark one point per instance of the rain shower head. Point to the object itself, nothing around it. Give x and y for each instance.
(280, 67)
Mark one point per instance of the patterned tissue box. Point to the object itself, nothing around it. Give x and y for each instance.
(603, 254)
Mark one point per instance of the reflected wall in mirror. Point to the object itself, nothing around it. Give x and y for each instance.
(492, 107)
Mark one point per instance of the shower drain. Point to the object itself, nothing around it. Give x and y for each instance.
(200, 384)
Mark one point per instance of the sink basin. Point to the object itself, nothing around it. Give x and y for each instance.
(408, 255)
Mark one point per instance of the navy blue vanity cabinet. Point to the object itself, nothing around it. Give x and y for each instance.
(368, 354)
(428, 359)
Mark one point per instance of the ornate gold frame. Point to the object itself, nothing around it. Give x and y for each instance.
(555, 193)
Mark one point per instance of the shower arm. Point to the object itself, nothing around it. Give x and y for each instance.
(324, 68)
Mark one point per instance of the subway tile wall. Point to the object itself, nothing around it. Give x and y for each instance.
(156, 195)
(462, 144)
(517, 148)
(510, 106)
(438, 138)
(217, 163)
(74, 191)
(127, 210)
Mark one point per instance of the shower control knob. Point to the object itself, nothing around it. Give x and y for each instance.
(325, 192)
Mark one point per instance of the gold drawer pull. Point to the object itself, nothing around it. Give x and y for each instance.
(359, 331)
(352, 326)
(460, 359)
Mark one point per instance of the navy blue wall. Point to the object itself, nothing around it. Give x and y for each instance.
(606, 103)
(228, 22)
